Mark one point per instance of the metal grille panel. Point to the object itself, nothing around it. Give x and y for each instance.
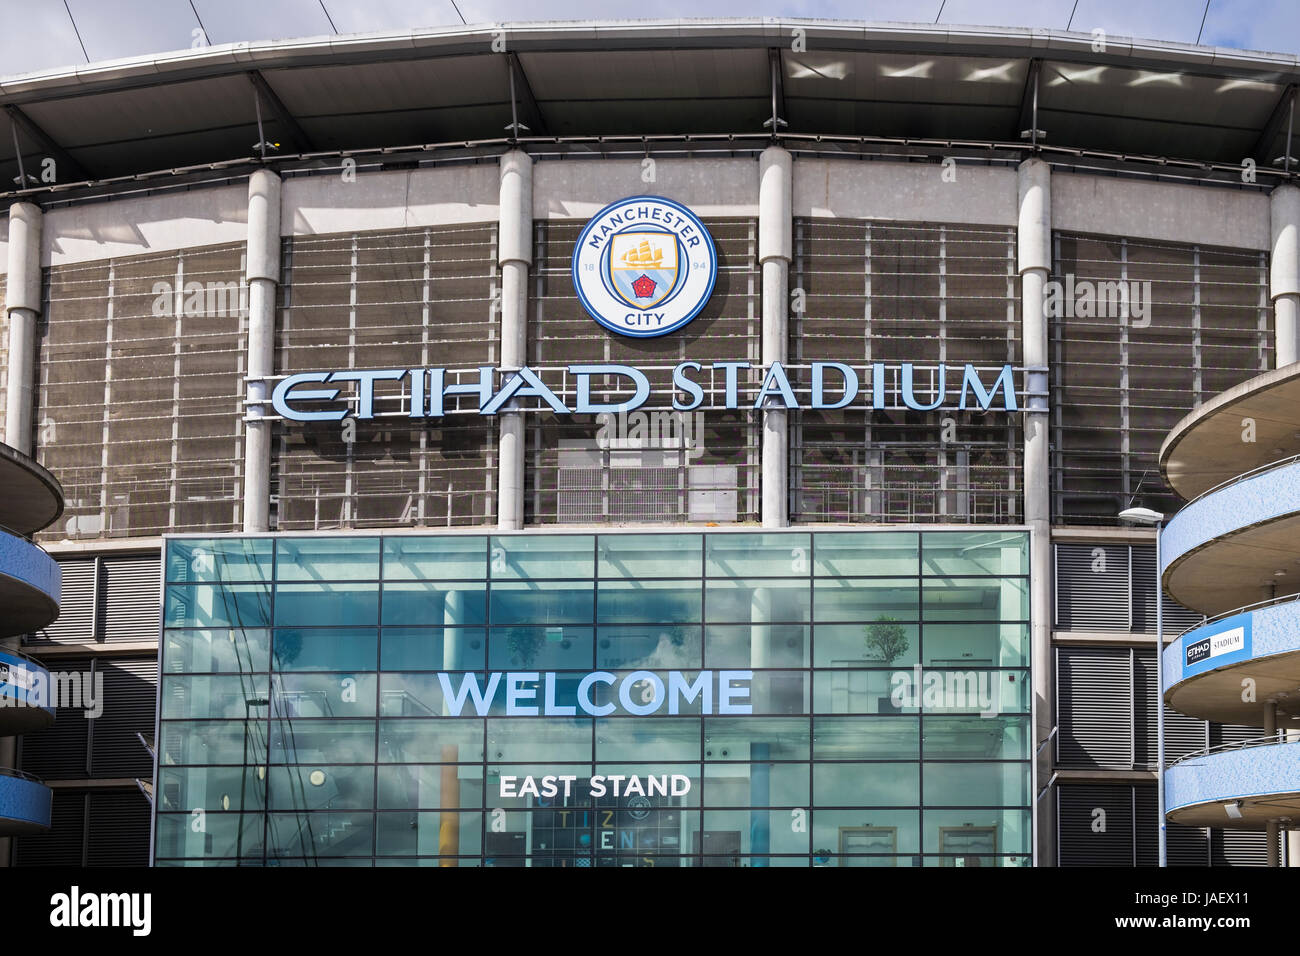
(65, 842)
(1095, 824)
(1111, 587)
(140, 395)
(1094, 708)
(1119, 384)
(644, 467)
(394, 299)
(865, 292)
(118, 834)
(130, 691)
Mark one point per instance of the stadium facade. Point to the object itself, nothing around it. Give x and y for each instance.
(692, 443)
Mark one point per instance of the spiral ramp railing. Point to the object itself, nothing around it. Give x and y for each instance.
(30, 499)
(1233, 553)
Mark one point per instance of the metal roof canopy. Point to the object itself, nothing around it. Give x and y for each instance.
(683, 77)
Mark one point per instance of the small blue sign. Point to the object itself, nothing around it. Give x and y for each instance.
(1216, 645)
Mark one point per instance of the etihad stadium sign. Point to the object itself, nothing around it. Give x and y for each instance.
(434, 392)
(644, 266)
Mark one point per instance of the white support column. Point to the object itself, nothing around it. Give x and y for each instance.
(1284, 272)
(263, 277)
(775, 244)
(1293, 828)
(23, 303)
(1034, 264)
(1272, 829)
(515, 254)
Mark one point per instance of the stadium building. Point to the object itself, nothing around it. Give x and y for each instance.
(679, 443)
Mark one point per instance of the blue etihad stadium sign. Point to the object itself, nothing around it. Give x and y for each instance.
(425, 392)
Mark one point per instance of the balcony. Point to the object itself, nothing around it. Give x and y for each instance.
(1228, 668)
(1242, 785)
(29, 586)
(32, 499)
(24, 803)
(26, 697)
(1238, 543)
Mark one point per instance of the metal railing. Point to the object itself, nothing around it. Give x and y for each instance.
(11, 772)
(26, 657)
(1259, 470)
(1235, 745)
(1267, 602)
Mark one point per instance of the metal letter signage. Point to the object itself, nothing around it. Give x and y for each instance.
(644, 266)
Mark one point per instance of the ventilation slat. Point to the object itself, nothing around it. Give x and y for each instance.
(130, 692)
(131, 598)
(1094, 707)
(1092, 587)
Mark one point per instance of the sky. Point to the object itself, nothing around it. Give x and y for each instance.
(40, 34)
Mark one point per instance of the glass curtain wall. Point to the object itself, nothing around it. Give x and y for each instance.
(720, 699)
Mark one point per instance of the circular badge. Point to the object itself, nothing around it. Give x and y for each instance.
(638, 807)
(644, 266)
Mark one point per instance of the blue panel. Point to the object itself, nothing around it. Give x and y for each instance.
(24, 561)
(1262, 497)
(1266, 631)
(24, 801)
(1233, 775)
(24, 681)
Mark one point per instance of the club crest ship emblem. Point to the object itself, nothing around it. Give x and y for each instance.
(644, 266)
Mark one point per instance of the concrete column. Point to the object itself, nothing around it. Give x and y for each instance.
(263, 277)
(1284, 271)
(1271, 828)
(515, 254)
(1293, 827)
(775, 250)
(23, 303)
(1034, 235)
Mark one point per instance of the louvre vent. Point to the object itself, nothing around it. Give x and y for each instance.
(119, 829)
(60, 752)
(1240, 848)
(1111, 588)
(1095, 825)
(64, 843)
(130, 598)
(76, 620)
(1092, 587)
(130, 691)
(1094, 707)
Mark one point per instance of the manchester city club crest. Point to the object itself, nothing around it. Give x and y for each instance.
(644, 266)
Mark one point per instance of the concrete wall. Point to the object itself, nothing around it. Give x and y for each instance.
(852, 189)
(1163, 211)
(575, 189)
(711, 187)
(139, 225)
(320, 205)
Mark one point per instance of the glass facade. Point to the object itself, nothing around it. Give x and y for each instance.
(794, 698)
